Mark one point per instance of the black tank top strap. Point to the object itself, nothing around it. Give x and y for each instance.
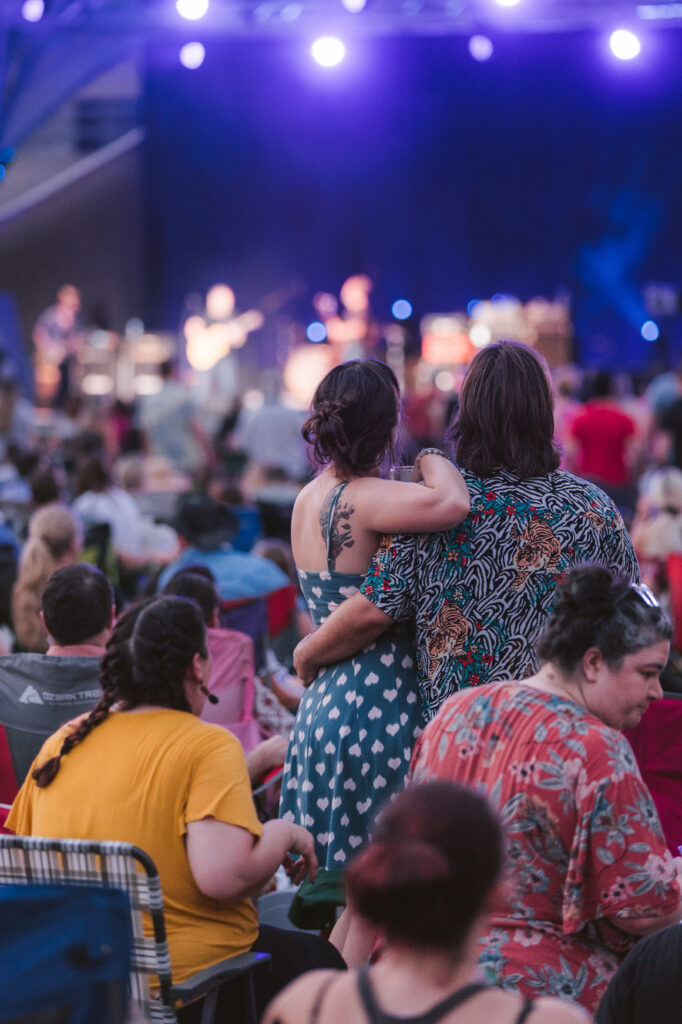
(377, 1016)
(319, 999)
(330, 521)
(525, 1012)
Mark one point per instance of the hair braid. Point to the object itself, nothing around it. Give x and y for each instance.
(115, 678)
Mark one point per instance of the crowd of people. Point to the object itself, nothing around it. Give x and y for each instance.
(455, 660)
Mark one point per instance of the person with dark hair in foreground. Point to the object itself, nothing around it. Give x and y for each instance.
(39, 692)
(589, 869)
(480, 592)
(179, 789)
(647, 987)
(425, 882)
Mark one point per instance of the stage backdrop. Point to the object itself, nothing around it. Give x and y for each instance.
(552, 166)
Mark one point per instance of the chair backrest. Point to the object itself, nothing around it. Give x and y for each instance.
(65, 954)
(26, 860)
(657, 745)
(232, 683)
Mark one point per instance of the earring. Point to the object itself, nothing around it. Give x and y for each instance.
(210, 697)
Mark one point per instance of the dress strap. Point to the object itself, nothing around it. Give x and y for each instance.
(377, 1016)
(526, 1010)
(330, 520)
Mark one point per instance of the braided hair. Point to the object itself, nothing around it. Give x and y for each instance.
(146, 660)
(353, 416)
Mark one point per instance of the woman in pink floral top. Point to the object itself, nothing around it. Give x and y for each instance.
(588, 867)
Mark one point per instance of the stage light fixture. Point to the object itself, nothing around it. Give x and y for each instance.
(624, 44)
(316, 331)
(480, 48)
(354, 6)
(650, 331)
(33, 10)
(507, 3)
(401, 309)
(192, 55)
(192, 10)
(328, 51)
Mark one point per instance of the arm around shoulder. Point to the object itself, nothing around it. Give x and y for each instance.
(442, 502)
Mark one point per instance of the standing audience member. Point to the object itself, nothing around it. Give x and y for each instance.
(604, 436)
(352, 740)
(480, 592)
(54, 540)
(39, 692)
(179, 789)
(588, 867)
(170, 421)
(426, 882)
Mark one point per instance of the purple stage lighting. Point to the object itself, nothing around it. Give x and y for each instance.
(192, 55)
(650, 331)
(354, 6)
(507, 3)
(192, 10)
(33, 10)
(480, 48)
(624, 44)
(328, 51)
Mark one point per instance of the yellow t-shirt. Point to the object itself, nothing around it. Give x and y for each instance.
(140, 778)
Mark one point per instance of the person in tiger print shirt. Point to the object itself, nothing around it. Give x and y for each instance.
(480, 592)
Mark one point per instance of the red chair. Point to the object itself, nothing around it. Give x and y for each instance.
(262, 618)
(657, 745)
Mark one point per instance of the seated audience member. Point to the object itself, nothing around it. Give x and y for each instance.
(39, 692)
(589, 870)
(135, 537)
(45, 487)
(426, 882)
(205, 528)
(647, 987)
(179, 789)
(657, 528)
(54, 541)
(480, 593)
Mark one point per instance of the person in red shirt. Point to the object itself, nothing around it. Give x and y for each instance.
(603, 434)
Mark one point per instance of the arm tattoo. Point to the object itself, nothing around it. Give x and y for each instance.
(341, 535)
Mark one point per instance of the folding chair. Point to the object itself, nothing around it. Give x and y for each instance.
(29, 860)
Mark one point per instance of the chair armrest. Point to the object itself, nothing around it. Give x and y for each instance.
(203, 982)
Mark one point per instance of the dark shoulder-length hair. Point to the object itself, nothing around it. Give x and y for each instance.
(506, 413)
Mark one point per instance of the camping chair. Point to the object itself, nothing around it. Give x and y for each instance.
(29, 860)
(657, 745)
(264, 619)
(65, 954)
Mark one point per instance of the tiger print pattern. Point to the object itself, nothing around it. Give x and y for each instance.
(480, 592)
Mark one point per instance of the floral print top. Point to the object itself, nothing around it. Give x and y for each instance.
(584, 842)
(480, 592)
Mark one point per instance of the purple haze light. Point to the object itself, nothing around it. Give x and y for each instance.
(480, 48)
(192, 55)
(192, 10)
(625, 45)
(33, 10)
(328, 51)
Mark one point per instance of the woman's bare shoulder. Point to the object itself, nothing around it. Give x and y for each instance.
(553, 1011)
(294, 1004)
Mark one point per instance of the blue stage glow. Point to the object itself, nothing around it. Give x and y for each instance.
(401, 309)
(650, 331)
(624, 44)
(192, 9)
(192, 55)
(471, 306)
(480, 48)
(316, 331)
(328, 51)
(3, 171)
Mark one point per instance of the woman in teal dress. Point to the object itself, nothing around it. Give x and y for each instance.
(352, 741)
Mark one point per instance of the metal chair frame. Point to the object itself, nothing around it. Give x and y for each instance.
(25, 860)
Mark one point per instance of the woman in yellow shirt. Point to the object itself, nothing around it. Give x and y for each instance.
(142, 768)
